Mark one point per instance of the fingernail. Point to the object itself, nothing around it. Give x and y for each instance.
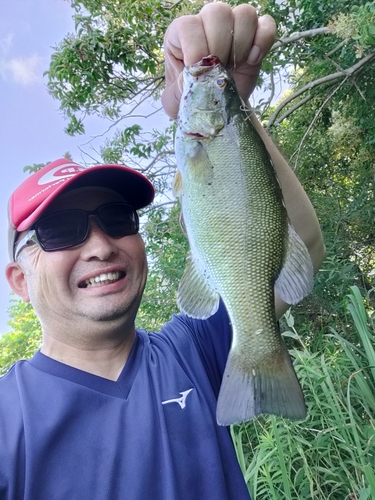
(254, 55)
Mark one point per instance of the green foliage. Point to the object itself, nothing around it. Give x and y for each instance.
(134, 147)
(340, 187)
(113, 58)
(329, 139)
(166, 250)
(331, 454)
(25, 337)
(35, 167)
(358, 25)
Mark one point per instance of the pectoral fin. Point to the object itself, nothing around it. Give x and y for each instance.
(195, 296)
(177, 184)
(296, 278)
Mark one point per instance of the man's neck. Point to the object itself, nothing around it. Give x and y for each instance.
(105, 359)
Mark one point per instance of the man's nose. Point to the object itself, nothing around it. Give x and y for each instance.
(98, 244)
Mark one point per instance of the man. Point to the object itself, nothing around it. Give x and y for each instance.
(104, 411)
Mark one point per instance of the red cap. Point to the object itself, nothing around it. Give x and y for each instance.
(32, 197)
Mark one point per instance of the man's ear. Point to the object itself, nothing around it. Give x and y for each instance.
(17, 280)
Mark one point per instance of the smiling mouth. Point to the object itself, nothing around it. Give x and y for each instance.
(102, 279)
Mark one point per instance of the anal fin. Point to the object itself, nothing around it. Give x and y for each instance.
(296, 278)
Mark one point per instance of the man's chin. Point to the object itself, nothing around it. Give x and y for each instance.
(123, 313)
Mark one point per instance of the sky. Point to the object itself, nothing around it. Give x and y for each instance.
(31, 126)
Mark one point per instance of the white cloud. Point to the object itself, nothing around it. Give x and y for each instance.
(23, 70)
(6, 43)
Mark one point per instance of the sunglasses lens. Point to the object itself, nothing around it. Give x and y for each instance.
(118, 219)
(71, 227)
(62, 230)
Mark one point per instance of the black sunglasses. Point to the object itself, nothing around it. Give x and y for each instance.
(70, 228)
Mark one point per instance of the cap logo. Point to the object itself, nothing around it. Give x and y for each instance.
(61, 172)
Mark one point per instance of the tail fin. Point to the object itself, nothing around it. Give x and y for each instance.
(271, 387)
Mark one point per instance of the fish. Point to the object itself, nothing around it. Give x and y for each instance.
(241, 243)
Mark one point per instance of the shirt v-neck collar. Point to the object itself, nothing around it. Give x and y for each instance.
(119, 388)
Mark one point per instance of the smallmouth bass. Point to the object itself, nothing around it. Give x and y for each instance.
(241, 243)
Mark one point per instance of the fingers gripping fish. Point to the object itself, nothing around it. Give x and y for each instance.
(242, 245)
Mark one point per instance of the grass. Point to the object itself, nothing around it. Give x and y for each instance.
(330, 455)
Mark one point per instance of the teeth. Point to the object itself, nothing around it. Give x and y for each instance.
(103, 278)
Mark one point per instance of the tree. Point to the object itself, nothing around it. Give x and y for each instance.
(112, 60)
(24, 339)
(324, 127)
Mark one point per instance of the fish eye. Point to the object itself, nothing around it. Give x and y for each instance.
(221, 82)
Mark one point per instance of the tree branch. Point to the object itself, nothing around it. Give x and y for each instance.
(328, 98)
(338, 47)
(297, 36)
(173, 5)
(292, 109)
(265, 105)
(148, 209)
(344, 73)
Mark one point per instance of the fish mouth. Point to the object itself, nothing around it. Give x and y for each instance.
(204, 65)
(195, 135)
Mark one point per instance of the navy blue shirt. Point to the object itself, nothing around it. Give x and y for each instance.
(151, 435)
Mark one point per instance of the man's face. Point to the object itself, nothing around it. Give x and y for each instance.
(100, 280)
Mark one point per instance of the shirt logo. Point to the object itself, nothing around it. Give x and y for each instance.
(181, 401)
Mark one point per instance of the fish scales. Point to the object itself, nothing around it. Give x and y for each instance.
(248, 236)
(239, 238)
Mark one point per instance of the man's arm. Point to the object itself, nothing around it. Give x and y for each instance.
(240, 40)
